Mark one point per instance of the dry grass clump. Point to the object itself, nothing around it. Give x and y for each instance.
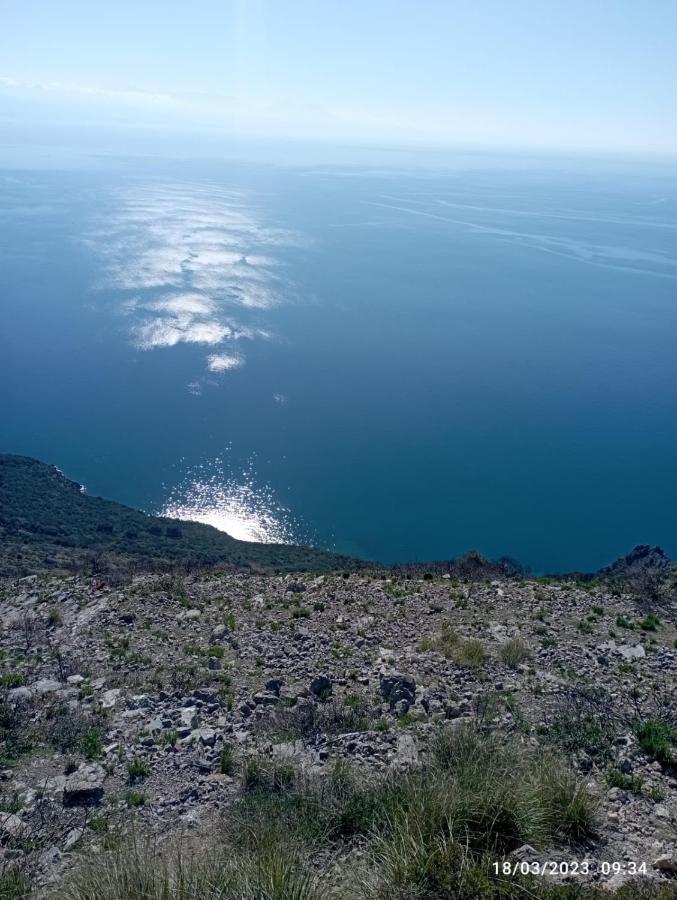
(514, 652)
(469, 652)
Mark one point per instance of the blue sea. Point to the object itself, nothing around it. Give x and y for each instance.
(401, 363)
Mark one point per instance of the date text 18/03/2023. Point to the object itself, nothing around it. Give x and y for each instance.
(571, 867)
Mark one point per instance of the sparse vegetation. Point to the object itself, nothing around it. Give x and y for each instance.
(658, 739)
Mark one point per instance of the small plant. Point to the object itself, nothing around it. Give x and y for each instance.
(585, 627)
(650, 622)
(318, 606)
(91, 744)
(54, 617)
(301, 613)
(169, 738)
(656, 794)
(99, 824)
(227, 760)
(514, 652)
(627, 668)
(657, 739)
(216, 650)
(9, 804)
(229, 621)
(135, 799)
(137, 769)
(471, 653)
(576, 732)
(598, 610)
(623, 622)
(616, 778)
(445, 642)
(406, 720)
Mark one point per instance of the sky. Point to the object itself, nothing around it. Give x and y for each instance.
(560, 75)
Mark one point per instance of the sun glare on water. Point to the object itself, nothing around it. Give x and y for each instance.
(236, 505)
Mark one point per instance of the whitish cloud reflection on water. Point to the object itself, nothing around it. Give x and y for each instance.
(198, 264)
(235, 504)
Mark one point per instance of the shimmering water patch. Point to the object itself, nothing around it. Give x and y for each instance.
(235, 503)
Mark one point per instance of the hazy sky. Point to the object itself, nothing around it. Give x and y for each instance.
(596, 75)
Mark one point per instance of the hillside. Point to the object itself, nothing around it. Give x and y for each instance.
(47, 522)
(231, 736)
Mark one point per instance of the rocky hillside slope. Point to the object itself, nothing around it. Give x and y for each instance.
(397, 736)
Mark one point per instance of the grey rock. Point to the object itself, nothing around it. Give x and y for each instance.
(85, 786)
(110, 698)
(666, 863)
(206, 736)
(630, 653)
(20, 695)
(45, 686)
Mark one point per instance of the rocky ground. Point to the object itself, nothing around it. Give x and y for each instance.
(142, 703)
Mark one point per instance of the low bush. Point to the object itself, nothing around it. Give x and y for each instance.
(514, 652)
(658, 739)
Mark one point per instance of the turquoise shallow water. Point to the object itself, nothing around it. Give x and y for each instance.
(398, 364)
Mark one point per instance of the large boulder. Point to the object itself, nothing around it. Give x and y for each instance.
(85, 786)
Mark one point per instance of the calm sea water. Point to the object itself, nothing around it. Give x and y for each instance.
(399, 365)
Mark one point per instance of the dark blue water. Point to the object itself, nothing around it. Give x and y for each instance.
(398, 365)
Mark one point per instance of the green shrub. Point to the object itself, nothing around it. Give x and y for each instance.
(657, 739)
(91, 744)
(445, 642)
(137, 769)
(227, 760)
(514, 652)
(616, 778)
(470, 653)
(650, 622)
(14, 885)
(54, 617)
(576, 731)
